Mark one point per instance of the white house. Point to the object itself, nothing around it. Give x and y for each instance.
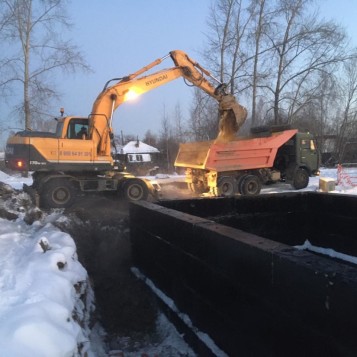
(137, 151)
(140, 158)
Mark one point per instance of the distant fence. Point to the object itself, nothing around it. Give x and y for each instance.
(347, 175)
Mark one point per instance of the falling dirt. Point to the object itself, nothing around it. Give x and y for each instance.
(232, 116)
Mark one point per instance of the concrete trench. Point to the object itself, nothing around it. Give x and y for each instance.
(231, 266)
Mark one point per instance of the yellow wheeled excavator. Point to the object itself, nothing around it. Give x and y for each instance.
(78, 156)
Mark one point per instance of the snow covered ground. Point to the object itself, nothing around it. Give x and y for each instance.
(43, 311)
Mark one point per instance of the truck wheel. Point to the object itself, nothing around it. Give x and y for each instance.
(250, 185)
(135, 190)
(240, 180)
(227, 186)
(58, 193)
(301, 179)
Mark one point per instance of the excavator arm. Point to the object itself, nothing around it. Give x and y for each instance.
(232, 114)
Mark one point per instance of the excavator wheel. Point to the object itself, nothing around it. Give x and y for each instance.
(227, 186)
(250, 185)
(57, 193)
(135, 190)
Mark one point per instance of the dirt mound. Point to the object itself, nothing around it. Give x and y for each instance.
(14, 203)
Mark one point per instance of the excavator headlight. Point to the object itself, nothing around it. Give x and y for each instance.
(131, 94)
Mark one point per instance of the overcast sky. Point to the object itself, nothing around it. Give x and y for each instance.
(117, 37)
(120, 37)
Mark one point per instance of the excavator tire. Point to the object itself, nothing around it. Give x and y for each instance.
(57, 193)
(250, 185)
(135, 190)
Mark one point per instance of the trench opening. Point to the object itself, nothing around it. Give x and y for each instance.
(125, 307)
(325, 220)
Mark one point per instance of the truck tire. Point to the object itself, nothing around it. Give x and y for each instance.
(240, 180)
(250, 185)
(135, 190)
(301, 179)
(57, 193)
(227, 186)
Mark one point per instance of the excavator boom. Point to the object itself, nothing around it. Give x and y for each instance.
(232, 114)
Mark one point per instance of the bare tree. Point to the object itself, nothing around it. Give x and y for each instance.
(274, 53)
(165, 139)
(260, 18)
(324, 102)
(228, 22)
(6, 62)
(33, 31)
(302, 46)
(179, 124)
(203, 123)
(150, 138)
(349, 96)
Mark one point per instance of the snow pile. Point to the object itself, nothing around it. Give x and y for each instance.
(44, 296)
(17, 182)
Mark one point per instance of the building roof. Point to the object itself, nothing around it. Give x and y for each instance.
(138, 147)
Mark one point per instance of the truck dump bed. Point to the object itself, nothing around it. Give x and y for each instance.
(240, 154)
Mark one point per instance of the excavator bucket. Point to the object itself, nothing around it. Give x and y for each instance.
(232, 116)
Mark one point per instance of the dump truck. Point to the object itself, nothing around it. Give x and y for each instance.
(80, 156)
(244, 164)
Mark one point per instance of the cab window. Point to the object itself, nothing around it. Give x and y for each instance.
(308, 144)
(77, 129)
(305, 144)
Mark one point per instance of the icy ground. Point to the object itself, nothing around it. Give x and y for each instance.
(45, 297)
